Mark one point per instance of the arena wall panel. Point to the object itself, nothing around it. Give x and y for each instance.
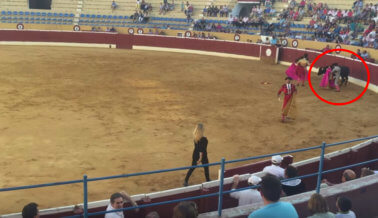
(126, 41)
(198, 44)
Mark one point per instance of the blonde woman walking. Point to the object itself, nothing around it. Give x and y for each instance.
(199, 153)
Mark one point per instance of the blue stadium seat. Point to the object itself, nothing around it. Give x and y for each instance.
(3, 13)
(115, 17)
(21, 13)
(55, 14)
(72, 15)
(88, 16)
(120, 17)
(82, 15)
(9, 12)
(93, 16)
(98, 16)
(27, 13)
(38, 14)
(104, 16)
(66, 15)
(49, 14)
(109, 16)
(15, 13)
(44, 14)
(60, 14)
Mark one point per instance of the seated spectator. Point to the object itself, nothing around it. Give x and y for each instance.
(366, 172)
(365, 55)
(344, 205)
(77, 210)
(318, 207)
(117, 201)
(327, 48)
(273, 40)
(348, 175)
(275, 168)
(270, 191)
(357, 52)
(185, 209)
(295, 186)
(30, 211)
(114, 5)
(153, 214)
(249, 196)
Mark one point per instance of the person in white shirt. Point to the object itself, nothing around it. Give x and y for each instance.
(275, 168)
(249, 196)
(116, 202)
(344, 205)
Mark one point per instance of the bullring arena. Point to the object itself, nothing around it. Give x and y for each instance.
(73, 111)
(75, 102)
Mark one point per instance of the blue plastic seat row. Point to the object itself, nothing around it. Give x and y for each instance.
(98, 16)
(43, 14)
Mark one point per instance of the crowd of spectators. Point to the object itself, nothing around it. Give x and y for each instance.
(335, 25)
(267, 189)
(214, 11)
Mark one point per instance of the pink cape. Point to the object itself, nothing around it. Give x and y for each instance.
(325, 80)
(291, 72)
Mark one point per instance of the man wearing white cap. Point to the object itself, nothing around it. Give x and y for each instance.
(249, 196)
(275, 168)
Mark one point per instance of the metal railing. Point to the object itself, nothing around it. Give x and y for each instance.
(221, 192)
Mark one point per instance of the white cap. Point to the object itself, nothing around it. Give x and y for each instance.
(254, 180)
(277, 159)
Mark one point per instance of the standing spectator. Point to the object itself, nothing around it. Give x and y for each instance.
(318, 207)
(114, 5)
(295, 186)
(185, 209)
(344, 205)
(249, 196)
(199, 152)
(275, 168)
(270, 191)
(116, 202)
(30, 211)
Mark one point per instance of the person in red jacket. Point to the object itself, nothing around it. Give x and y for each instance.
(289, 90)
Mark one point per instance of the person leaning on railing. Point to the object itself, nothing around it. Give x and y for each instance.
(248, 196)
(117, 200)
(348, 175)
(275, 168)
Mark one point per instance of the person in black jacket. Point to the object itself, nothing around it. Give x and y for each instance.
(295, 186)
(199, 153)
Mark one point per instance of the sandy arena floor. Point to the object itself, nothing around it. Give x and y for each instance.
(66, 112)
